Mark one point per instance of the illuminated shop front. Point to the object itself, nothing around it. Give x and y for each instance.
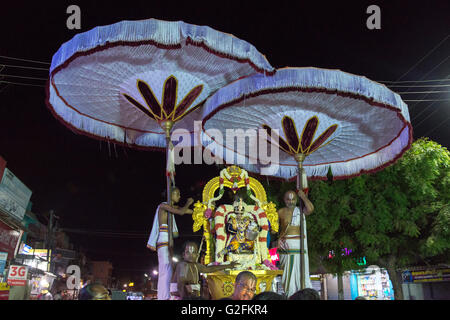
(373, 283)
(38, 261)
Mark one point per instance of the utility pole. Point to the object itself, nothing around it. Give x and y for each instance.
(50, 230)
(49, 236)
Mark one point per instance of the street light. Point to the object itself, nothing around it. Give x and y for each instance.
(145, 275)
(155, 272)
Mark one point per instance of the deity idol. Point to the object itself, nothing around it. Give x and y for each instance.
(243, 228)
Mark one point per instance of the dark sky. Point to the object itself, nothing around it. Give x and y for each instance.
(97, 186)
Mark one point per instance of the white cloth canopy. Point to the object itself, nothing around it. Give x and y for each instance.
(119, 82)
(340, 121)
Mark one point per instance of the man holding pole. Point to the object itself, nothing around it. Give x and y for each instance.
(289, 244)
(159, 239)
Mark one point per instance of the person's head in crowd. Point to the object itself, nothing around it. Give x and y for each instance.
(190, 251)
(94, 292)
(360, 298)
(305, 294)
(245, 286)
(269, 295)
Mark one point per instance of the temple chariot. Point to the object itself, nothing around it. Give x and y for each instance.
(237, 231)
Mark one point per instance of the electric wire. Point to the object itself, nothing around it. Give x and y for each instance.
(22, 77)
(440, 124)
(22, 67)
(25, 60)
(418, 62)
(22, 84)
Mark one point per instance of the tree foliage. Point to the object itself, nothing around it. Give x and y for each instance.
(397, 217)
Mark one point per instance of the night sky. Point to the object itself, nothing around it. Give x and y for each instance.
(99, 187)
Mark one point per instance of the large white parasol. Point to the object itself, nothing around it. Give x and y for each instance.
(335, 119)
(133, 82)
(317, 118)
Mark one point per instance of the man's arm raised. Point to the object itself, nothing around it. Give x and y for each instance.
(179, 211)
(308, 204)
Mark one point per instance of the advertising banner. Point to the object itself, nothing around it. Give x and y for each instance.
(41, 259)
(3, 257)
(17, 275)
(4, 291)
(430, 275)
(14, 195)
(8, 239)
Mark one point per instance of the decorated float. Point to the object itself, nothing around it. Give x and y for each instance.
(134, 82)
(237, 231)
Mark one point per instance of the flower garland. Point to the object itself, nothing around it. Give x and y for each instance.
(235, 180)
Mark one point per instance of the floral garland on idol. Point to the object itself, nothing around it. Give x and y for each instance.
(261, 258)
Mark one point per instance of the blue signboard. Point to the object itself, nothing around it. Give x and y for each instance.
(3, 257)
(14, 195)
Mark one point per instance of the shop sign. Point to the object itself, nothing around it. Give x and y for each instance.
(8, 239)
(3, 257)
(4, 286)
(14, 195)
(41, 259)
(26, 249)
(4, 291)
(17, 275)
(431, 275)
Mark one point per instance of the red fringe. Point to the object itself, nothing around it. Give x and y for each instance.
(265, 227)
(262, 215)
(261, 239)
(218, 226)
(221, 237)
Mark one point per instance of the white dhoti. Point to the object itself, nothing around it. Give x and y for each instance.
(159, 241)
(164, 265)
(289, 252)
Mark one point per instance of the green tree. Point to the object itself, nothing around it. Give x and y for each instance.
(396, 218)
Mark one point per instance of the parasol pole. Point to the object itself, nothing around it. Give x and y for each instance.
(167, 127)
(301, 185)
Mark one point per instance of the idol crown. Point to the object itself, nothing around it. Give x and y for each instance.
(234, 171)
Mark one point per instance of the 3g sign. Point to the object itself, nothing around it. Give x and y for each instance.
(17, 275)
(18, 271)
